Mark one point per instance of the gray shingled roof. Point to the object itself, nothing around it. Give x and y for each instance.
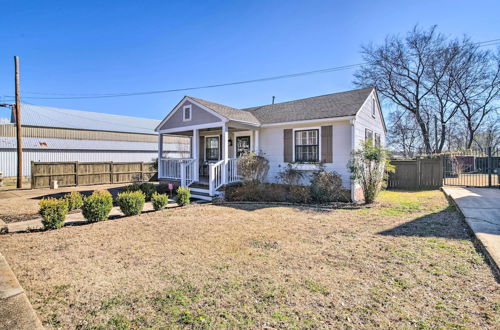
(318, 107)
(228, 112)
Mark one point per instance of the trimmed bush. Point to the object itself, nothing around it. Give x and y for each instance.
(299, 194)
(148, 189)
(162, 188)
(159, 201)
(256, 192)
(97, 206)
(132, 187)
(326, 187)
(183, 196)
(74, 200)
(53, 212)
(131, 202)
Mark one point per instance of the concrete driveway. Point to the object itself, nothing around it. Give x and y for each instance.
(481, 209)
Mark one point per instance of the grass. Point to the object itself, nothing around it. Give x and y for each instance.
(407, 263)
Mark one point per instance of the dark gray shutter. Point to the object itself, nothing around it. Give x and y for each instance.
(288, 145)
(326, 144)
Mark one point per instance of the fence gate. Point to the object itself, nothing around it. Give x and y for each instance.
(421, 173)
(472, 168)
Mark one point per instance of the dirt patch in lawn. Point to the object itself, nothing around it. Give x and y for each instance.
(409, 262)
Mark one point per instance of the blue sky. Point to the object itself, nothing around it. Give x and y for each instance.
(79, 47)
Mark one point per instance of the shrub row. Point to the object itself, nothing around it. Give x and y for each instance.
(325, 187)
(98, 205)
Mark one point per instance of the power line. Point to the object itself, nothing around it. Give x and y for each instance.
(292, 75)
(60, 96)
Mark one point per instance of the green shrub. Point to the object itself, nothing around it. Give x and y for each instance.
(131, 202)
(148, 189)
(132, 187)
(183, 196)
(74, 200)
(159, 201)
(326, 187)
(97, 206)
(369, 166)
(53, 212)
(162, 188)
(299, 194)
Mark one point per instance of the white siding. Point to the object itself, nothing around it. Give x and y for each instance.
(364, 119)
(271, 146)
(8, 162)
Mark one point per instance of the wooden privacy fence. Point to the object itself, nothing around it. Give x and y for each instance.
(92, 173)
(421, 173)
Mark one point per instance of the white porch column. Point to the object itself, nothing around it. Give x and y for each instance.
(225, 151)
(195, 152)
(256, 141)
(160, 154)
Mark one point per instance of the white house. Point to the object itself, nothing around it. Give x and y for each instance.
(306, 132)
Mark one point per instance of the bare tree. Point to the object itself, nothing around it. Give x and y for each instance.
(489, 136)
(404, 135)
(406, 70)
(477, 87)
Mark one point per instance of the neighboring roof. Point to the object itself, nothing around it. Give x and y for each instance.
(228, 112)
(64, 144)
(317, 107)
(41, 116)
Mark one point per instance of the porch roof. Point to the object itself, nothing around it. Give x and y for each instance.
(228, 112)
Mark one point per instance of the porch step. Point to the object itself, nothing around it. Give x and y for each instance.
(201, 195)
(200, 185)
(199, 190)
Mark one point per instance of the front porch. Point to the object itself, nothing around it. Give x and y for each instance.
(209, 157)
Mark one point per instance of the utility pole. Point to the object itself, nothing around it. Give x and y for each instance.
(17, 114)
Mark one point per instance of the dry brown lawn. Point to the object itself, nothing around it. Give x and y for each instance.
(407, 263)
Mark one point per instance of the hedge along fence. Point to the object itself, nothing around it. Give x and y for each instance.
(69, 174)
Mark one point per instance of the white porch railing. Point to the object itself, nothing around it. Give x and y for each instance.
(215, 176)
(187, 173)
(177, 169)
(185, 169)
(232, 171)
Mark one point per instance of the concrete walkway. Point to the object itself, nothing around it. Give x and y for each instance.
(16, 311)
(72, 219)
(481, 209)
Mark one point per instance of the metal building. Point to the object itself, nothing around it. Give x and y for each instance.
(52, 134)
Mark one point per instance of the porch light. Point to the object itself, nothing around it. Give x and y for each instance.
(230, 142)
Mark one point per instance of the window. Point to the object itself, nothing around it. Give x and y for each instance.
(307, 146)
(368, 134)
(373, 108)
(187, 113)
(377, 139)
(242, 145)
(212, 150)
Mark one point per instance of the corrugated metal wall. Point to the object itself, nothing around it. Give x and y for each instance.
(8, 163)
(75, 134)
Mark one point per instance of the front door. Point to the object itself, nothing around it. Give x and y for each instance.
(242, 145)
